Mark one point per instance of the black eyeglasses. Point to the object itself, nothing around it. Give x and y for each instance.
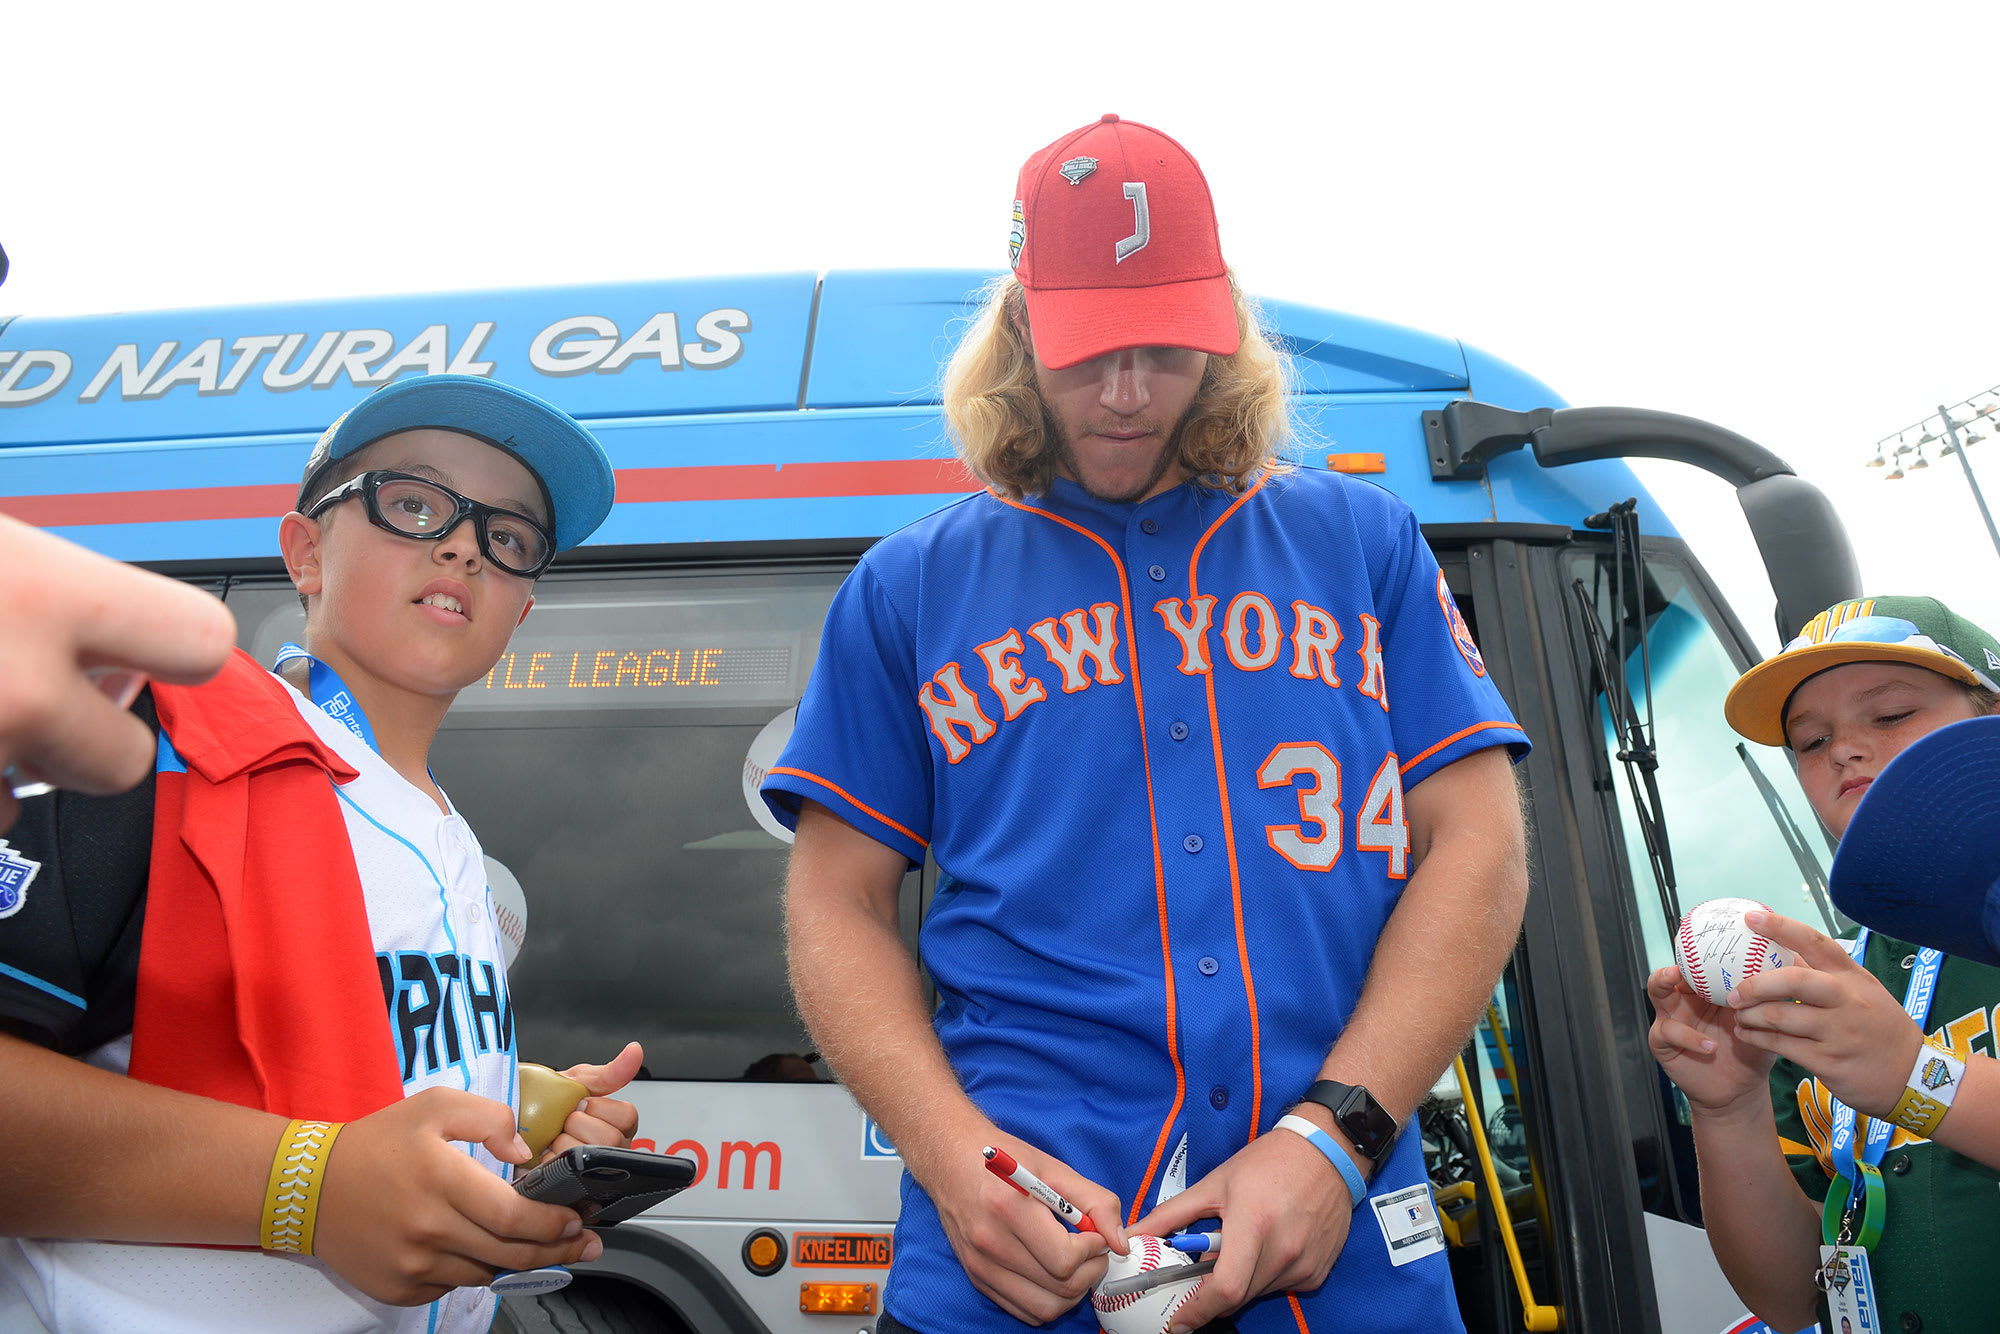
(413, 507)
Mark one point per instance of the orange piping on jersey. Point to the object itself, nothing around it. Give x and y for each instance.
(1229, 837)
(1456, 736)
(1159, 867)
(835, 787)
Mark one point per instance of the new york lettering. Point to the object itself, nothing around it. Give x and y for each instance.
(1080, 648)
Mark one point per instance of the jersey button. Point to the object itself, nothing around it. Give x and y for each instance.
(1156, 572)
(1192, 842)
(1149, 525)
(1178, 731)
(1218, 1097)
(1910, 1322)
(1901, 1165)
(1208, 965)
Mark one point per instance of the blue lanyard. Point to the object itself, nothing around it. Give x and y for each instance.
(330, 693)
(1916, 1004)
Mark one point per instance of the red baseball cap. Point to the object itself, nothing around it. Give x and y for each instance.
(1114, 241)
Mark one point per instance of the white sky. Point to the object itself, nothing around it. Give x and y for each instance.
(1778, 217)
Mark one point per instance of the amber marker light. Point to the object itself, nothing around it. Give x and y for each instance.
(837, 1298)
(763, 1252)
(1357, 463)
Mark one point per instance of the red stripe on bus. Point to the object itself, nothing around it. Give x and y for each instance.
(744, 481)
(199, 502)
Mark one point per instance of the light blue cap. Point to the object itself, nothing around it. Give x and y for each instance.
(561, 453)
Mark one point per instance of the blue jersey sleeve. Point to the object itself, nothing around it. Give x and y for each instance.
(1443, 704)
(859, 747)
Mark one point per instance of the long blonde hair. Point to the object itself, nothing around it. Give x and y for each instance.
(1233, 434)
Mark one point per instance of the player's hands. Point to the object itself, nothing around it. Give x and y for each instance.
(1013, 1249)
(599, 1119)
(66, 611)
(1846, 1028)
(1697, 1044)
(406, 1215)
(1285, 1214)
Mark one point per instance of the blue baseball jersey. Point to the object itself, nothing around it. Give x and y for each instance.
(1159, 752)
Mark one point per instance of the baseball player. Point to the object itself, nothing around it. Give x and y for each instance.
(1216, 784)
(1847, 1113)
(260, 1003)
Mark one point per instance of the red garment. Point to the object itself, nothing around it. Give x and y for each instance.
(257, 976)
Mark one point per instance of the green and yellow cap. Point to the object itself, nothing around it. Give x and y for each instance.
(1920, 631)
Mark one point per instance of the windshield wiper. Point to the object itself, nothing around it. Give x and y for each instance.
(1636, 750)
(1795, 841)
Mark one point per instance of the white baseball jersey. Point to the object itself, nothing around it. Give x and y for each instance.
(438, 950)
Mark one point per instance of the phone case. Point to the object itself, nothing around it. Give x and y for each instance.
(606, 1185)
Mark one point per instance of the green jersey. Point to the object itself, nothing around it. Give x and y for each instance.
(1935, 1262)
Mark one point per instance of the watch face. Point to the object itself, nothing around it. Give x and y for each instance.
(1359, 1116)
(1371, 1128)
(1369, 1125)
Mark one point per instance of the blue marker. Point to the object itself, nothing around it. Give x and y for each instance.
(1196, 1243)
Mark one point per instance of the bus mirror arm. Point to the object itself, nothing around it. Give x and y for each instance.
(1800, 537)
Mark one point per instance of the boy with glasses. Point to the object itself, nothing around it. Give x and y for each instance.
(284, 1025)
(1847, 1113)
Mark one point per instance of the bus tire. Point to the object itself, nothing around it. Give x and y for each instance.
(588, 1306)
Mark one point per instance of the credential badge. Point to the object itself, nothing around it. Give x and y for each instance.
(16, 874)
(1077, 168)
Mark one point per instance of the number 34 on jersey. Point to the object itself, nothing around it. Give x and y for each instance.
(1316, 841)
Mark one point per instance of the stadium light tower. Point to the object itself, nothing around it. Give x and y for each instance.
(1976, 421)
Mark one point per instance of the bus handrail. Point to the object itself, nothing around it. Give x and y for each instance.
(1534, 1314)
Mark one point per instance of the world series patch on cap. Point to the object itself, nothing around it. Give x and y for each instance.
(1113, 238)
(1921, 857)
(1920, 631)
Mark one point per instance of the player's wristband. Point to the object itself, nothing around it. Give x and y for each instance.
(1298, 1125)
(1933, 1083)
(291, 1198)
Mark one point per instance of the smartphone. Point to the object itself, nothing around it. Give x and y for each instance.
(606, 1185)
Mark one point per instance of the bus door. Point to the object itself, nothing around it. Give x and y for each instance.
(1561, 1157)
(1615, 652)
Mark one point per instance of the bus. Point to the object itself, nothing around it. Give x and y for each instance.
(765, 430)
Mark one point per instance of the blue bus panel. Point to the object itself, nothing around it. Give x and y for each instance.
(760, 408)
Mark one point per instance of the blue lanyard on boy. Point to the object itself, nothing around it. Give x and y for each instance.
(1860, 1180)
(330, 693)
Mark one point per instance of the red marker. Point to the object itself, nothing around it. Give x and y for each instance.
(1003, 1165)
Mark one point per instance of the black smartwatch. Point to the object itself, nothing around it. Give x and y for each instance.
(1359, 1116)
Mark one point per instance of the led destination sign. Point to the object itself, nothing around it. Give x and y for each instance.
(573, 672)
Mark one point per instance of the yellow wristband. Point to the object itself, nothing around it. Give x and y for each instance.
(1933, 1083)
(291, 1199)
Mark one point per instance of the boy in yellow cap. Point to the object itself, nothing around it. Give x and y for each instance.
(1847, 1114)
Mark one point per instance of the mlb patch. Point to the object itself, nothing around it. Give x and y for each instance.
(1409, 1223)
(16, 874)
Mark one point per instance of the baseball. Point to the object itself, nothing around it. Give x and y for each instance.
(1145, 1312)
(1718, 952)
